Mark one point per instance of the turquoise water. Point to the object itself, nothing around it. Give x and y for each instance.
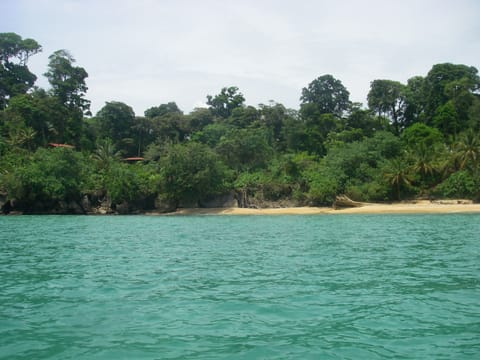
(240, 287)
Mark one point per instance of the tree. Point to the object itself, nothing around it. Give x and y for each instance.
(415, 100)
(396, 173)
(212, 134)
(51, 175)
(243, 117)
(328, 94)
(422, 135)
(388, 98)
(144, 133)
(43, 113)
(15, 77)
(162, 109)
(273, 117)
(190, 172)
(198, 119)
(115, 121)
(68, 81)
(105, 154)
(170, 127)
(444, 81)
(424, 163)
(223, 104)
(365, 121)
(467, 151)
(245, 149)
(446, 119)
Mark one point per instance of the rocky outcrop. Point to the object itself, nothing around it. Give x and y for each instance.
(6, 206)
(220, 201)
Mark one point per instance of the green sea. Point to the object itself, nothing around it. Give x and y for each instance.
(240, 287)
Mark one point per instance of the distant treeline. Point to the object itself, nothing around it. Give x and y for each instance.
(419, 139)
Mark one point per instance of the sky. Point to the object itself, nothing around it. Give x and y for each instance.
(150, 52)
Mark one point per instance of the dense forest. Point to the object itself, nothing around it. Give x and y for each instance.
(413, 140)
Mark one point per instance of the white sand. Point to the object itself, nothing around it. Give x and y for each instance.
(420, 207)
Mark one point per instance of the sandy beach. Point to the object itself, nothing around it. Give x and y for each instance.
(418, 207)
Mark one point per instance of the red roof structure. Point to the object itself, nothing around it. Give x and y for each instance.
(61, 145)
(134, 158)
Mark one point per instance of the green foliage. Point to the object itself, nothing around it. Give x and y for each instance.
(243, 117)
(171, 127)
(439, 88)
(446, 119)
(163, 109)
(388, 98)
(327, 94)
(461, 184)
(191, 172)
(323, 186)
(396, 173)
(15, 77)
(68, 81)
(360, 119)
(212, 134)
(130, 182)
(467, 151)
(245, 149)
(115, 121)
(50, 175)
(422, 135)
(414, 139)
(224, 103)
(198, 119)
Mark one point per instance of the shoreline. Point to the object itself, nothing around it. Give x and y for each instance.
(420, 207)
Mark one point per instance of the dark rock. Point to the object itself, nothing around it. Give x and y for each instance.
(74, 207)
(7, 206)
(164, 206)
(122, 208)
(220, 201)
(86, 204)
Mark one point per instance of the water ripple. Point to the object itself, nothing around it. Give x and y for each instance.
(284, 287)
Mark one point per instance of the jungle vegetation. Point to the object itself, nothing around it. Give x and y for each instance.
(418, 139)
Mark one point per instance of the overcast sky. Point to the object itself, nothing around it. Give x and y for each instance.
(149, 52)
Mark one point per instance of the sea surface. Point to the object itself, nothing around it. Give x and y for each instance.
(240, 287)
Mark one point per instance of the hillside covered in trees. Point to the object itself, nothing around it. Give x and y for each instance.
(413, 140)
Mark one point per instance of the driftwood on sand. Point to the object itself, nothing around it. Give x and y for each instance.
(343, 201)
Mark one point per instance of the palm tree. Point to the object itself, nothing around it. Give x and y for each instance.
(105, 154)
(426, 162)
(28, 137)
(397, 175)
(467, 151)
(18, 137)
(423, 161)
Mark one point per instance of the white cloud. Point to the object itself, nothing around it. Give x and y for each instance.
(147, 52)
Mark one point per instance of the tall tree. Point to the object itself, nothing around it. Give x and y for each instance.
(15, 77)
(41, 112)
(115, 121)
(439, 88)
(223, 104)
(388, 98)
(68, 81)
(397, 174)
(162, 109)
(328, 94)
(415, 99)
